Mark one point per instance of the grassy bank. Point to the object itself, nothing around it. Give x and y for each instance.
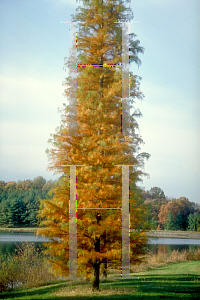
(29, 267)
(175, 281)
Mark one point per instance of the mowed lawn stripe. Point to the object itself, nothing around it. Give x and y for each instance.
(174, 281)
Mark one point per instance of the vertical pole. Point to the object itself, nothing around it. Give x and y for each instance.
(73, 82)
(72, 225)
(125, 221)
(125, 79)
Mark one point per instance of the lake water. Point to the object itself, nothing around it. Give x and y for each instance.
(10, 240)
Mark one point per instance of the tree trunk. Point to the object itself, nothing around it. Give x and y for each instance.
(105, 266)
(105, 269)
(95, 283)
(96, 266)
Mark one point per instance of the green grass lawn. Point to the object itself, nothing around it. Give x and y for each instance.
(174, 281)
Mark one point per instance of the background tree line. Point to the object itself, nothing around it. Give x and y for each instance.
(171, 214)
(20, 201)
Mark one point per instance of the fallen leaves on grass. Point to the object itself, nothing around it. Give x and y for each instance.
(86, 290)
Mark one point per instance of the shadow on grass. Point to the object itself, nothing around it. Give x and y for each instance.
(145, 288)
(31, 292)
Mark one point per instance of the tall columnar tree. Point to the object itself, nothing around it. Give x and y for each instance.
(98, 146)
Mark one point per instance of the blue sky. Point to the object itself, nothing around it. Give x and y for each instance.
(32, 52)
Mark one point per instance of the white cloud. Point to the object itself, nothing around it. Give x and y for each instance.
(29, 100)
(19, 159)
(24, 133)
(169, 130)
(28, 116)
(23, 148)
(29, 87)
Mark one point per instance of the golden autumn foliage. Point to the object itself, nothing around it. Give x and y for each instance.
(99, 147)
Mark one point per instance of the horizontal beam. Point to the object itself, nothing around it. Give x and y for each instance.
(99, 208)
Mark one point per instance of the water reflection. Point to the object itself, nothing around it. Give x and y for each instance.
(173, 241)
(167, 245)
(10, 240)
(11, 247)
(21, 237)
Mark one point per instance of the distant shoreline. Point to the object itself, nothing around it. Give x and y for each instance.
(19, 229)
(152, 233)
(174, 234)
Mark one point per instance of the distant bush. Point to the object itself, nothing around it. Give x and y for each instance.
(28, 268)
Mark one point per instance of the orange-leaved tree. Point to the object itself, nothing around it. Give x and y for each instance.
(178, 207)
(97, 148)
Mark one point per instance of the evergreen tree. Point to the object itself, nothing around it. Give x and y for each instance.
(179, 221)
(4, 211)
(13, 213)
(194, 222)
(20, 202)
(170, 224)
(99, 181)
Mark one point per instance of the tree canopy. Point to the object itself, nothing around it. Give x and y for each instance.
(99, 148)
